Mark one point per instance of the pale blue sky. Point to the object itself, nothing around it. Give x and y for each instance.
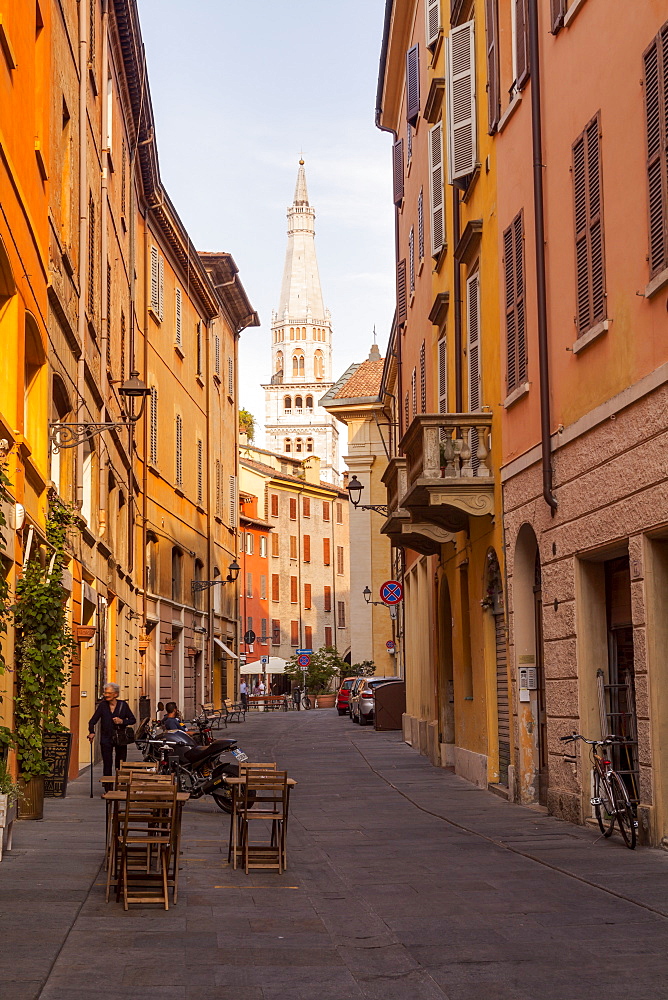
(238, 89)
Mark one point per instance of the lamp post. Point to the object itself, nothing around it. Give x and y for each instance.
(392, 608)
(63, 436)
(355, 491)
(232, 576)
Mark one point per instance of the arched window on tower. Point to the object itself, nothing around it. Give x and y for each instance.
(303, 333)
(309, 445)
(309, 404)
(292, 333)
(299, 404)
(318, 365)
(287, 446)
(279, 361)
(298, 445)
(287, 404)
(298, 364)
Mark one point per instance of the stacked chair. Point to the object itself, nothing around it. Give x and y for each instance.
(263, 797)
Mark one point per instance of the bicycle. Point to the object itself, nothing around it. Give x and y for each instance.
(610, 799)
(306, 701)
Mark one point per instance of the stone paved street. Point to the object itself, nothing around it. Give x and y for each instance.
(405, 883)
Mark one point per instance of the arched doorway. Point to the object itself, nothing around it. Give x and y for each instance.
(493, 600)
(445, 683)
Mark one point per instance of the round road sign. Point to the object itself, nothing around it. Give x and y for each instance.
(304, 660)
(390, 643)
(391, 592)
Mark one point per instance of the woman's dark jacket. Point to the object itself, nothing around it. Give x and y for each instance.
(104, 716)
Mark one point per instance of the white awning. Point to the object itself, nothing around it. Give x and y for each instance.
(226, 649)
(276, 665)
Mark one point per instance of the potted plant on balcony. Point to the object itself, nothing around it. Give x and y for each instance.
(44, 649)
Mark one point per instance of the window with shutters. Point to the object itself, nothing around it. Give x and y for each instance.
(473, 360)
(293, 546)
(520, 18)
(341, 614)
(306, 506)
(461, 99)
(263, 635)
(411, 260)
(263, 546)
(420, 220)
(157, 283)
(414, 392)
(436, 189)
(153, 420)
(199, 349)
(325, 510)
(406, 412)
(275, 545)
(433, 19)
(339, 513)
(513, 265)
(656, 136)
(230, 377)
(307, 597)
(263, 588)
(122, 357)
(294, 633)
(178, 311)
(249, 585)
(306, 548)
(275, 587)
(108, 331)
(589, 245)
(250, 543)
(219, 488)
(293, 509)
(275, 632)
(308, 636)
(326, 552)
(409, 143)
(92, 12)
(179, 450)
(327, 599)
(402, 303)
(91, 256)
(398, 171)
(423, 379)
(413, 85)
(124, 185)
(557, 11)
(273, 504)
(328, 635)
(493, 72)
(339, 559)
(233, 499)
(200, 473)
(216, 357)
(442, 376)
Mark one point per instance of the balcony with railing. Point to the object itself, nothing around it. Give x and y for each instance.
(400, 528)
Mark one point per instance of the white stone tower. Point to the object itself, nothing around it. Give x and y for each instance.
(301, 350)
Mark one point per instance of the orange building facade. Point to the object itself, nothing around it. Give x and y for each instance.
(255, 577)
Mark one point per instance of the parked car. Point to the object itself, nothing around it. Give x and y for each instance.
(362, 698)
(355, 687)
(343, 695)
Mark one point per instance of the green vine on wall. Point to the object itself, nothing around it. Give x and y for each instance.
(44, 645)
(5, 733)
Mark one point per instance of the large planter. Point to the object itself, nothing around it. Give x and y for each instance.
(325, 700)
(31, 798)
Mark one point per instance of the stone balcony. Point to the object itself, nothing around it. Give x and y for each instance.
(448, 469)
(399, 526)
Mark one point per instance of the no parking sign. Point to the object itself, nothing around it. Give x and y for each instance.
(303, 660)
(391, 592)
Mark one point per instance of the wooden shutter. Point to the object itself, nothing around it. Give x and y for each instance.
(656, 131)
(275, 632)
(161, 288)
(294, 633)
(91, 257)
(179, 449)
(413, 85)
(154, 424)
(275, 545)
(589, 256)
(473, 341)
(178, 310)
(398, 171)
(436, 188)
(200, 473)
(411, 259)
(306, 548)
(423, 379)
(307, 596)
(493, 79)
(341, 617)
(339, 559)
(462, 145)
(339, 513)
(230, 377)
(420, 215)
(274, 505)
(513, 259)
(557, 11)
(327, 599)
(199, 348)
(293, 509)
(155, 281)
(328, 635)
(293, 590)
(233, 499)
(306, 506)
(442, 376)
(308, 636)
(401, 292)
(433, 16)
(521, 42)
(293, 546)
(326, 552)
(216, 360)
(275, 587)
(219, 489)
(325, 510)
(414, 391)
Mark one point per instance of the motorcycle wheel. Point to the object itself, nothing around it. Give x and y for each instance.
(223, 796)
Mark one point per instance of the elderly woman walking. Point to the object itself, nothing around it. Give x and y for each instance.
(112, 714)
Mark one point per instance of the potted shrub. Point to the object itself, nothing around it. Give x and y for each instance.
(44, 649)
(8, 795)
(324, 666)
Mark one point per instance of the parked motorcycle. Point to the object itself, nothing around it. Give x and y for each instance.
(198, 769)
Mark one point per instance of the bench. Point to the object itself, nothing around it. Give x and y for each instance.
(271, 702)
(229, 712)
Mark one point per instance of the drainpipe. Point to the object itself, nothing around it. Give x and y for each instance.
(104, 529)
(457, 294)
(539, 227)
(83, 236)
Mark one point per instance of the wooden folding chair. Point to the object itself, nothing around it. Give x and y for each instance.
(265, 797)
(247, 767)
(150, 816)
(122, 783)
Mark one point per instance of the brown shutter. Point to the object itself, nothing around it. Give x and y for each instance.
(557, 11)
(513, 261)
(308, 636)
(326, 555)
(518, 230)
(493, 82)
(656, 125)
(307, 597)
(589, 255)
(398, 171)
(275, 589)
(294, 633)
(325, 510)
(401, 291)
(339, 559)
(274, 505)
(293, 590)
(306, 506)
(412, 85)
(306, 545)
(522, 41)
(293, 509)
(328, 635)
(328, 599)
(293, 546)
(274, 545)
(275, 632)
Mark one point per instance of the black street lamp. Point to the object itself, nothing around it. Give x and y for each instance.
(355, 488)
(232, 575)
(63, 436)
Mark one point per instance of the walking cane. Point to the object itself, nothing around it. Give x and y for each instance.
(91, 768)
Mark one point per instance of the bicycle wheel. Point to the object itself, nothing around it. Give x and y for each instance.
(624, 810)
(306, 701)
(605, 811)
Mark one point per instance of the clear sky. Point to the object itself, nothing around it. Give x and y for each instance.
(239, 89)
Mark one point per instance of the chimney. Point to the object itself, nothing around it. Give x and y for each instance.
(312, 469)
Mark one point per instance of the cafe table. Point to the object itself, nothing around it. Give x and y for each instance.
(234, 851)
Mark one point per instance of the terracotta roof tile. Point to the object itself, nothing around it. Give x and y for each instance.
(365, 381)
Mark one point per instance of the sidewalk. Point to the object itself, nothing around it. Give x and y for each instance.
(405, 883)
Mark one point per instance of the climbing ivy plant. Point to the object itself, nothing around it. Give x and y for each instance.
(5, 733)
(44, 646)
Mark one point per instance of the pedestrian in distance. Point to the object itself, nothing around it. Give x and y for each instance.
(172, 719)
(113, 716)
(243, 692)
(297, 696)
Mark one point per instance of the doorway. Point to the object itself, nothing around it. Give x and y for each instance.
(619, 702)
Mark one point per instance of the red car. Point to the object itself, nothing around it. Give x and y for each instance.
(343, 695)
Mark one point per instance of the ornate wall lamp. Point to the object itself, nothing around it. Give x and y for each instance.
(355, 488)
(232, 575)
(134, 393)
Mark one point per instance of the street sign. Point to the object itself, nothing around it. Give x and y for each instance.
(304, 652)
(264, 660)
(250, 637)
(304, 660)
(390, 644)
(391, 592)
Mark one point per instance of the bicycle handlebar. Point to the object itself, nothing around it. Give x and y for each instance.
(596, 743)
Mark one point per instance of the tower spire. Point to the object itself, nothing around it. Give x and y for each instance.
(301, 294)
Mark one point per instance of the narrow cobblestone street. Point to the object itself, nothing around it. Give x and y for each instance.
(404, 883)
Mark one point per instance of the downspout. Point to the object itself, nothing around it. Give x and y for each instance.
(83, 237)
(457, 294)
(210, 654)
(103, 481)
(539, 229)
(150, 683)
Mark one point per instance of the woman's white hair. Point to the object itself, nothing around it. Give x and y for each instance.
(114, 687)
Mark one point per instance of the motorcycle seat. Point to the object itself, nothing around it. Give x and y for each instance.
(195, 754)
